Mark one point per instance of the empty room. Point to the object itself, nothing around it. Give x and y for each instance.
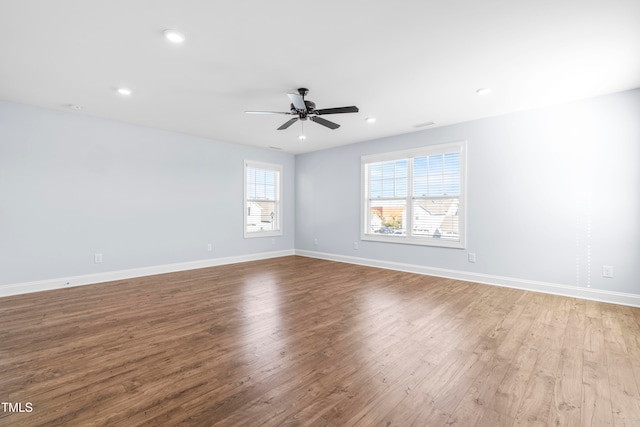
(412, 213)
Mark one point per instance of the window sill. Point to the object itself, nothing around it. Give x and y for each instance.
(405, 240)
(262, 234)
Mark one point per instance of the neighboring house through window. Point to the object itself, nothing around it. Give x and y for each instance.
(416, 196)
(262, 199)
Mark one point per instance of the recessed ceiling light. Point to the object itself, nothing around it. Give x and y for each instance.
(302, 137)
(124, 91)
(74, 107)
(370, 119)
(483, 91)
(174, 36)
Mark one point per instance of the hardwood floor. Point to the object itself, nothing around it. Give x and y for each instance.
(296, 341)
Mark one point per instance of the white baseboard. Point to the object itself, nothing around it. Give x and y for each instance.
(89, 279)
(509, 282)
(529, 285)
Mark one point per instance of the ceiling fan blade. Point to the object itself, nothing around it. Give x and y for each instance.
(324, 122)
(298, 101)
(351, 109)
(288, 123)
(268, 112)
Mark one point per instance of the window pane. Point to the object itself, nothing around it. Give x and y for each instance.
(375, 188)
(388, 170)
(387, 217)
(451, 174)
(436, 218)
(262, 216)
(401, 188)
(420, 187)
(270, 192)
(420, 166)
(388, 189)
(401, 168)
(435, 164)
(251, 191)
(388, 179)
(270, 178)
(262, 184)
(435, 175)
(375, 171)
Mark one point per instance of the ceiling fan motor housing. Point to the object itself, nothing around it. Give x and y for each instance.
(311, 107)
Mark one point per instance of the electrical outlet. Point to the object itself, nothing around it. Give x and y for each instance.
(472, 257)
(97, 258)
(273, 241)
(355, 246)
(209, 247)
(607, 271)
(315, 242)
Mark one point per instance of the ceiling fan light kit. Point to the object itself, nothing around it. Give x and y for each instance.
(304, 110)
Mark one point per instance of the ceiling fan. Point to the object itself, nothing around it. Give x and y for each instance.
(307, 110)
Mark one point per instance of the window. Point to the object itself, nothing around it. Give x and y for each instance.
(262, 199)
(415, 196)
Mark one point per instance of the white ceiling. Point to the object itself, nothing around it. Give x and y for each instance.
(404, 62)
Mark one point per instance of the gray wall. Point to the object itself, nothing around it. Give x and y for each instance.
(553, 194)
(72, 186)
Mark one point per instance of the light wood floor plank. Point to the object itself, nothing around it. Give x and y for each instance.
(596, 402)
(568, 392)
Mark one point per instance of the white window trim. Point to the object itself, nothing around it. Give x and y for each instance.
(267, 233)
(461, 147)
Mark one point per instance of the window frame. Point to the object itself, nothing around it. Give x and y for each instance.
(278, 200)
(410, 238)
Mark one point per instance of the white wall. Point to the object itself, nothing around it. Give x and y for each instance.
(553, 194)
(72, 186)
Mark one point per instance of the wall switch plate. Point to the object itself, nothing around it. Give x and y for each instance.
(97, 258)
(472, 257)
(607, 271)
(210, 247)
